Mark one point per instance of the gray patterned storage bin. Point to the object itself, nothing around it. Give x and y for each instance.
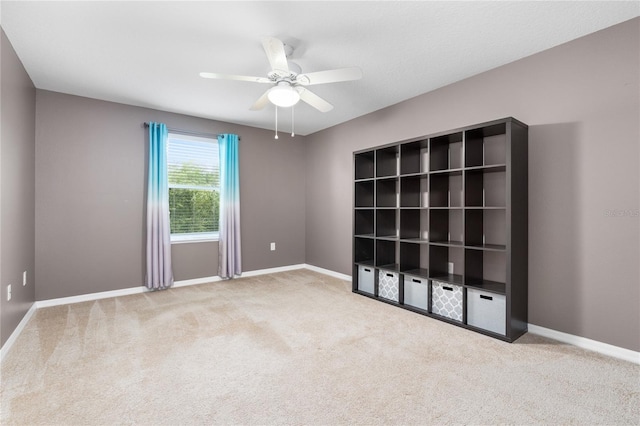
(388, 285)
(446, 300)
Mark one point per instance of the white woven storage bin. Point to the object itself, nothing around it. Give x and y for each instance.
(486, 310)
(366, 278)
(416, 292)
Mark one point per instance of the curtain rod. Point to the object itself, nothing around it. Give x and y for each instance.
(189, 132)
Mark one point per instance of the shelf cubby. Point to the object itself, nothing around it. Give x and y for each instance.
(440, 260)
(363, 223)
(486, 187)
(364, 193)
(364, 165)
(414, 225)
(386, 255)
(485, 270)
(363, 251)
(414, 157)
(386, 223)
(387, 161)
(414, 191)
(486, 229)
(414, 259)
(445, 152)
(446, 227)
(486, 146)
(445, 190)
(387, 192)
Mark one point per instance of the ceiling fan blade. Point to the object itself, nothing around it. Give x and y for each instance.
(330, 76)
(235, 77)
(261, 102)
(274, 49)
(314, 100)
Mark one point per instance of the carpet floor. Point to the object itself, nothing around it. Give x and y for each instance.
(294, 348)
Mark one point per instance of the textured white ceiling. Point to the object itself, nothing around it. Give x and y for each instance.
(149, 53)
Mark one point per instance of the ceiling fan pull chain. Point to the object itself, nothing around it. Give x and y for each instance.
(276, 137)
(292, 122)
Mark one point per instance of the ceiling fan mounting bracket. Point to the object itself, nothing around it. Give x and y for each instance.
(288, 49)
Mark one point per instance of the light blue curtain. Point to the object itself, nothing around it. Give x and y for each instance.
(230, 259)
(159, 272)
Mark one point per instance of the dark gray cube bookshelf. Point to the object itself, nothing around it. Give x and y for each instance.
(451, 209)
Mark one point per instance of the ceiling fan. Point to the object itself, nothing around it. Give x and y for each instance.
(289, 84)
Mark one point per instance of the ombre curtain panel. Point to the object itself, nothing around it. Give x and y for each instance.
(159, 272)
(230, 258)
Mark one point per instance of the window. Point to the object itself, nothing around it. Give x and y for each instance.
(194, 187)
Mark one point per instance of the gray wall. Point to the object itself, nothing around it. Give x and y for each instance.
(581, 101)
(90, 189)
(17, 189)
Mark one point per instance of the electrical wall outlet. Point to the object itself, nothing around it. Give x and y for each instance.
(8, 292)
(273, 246)
(24, 278)
(450, 268)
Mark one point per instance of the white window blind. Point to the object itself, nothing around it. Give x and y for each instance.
(194, 187)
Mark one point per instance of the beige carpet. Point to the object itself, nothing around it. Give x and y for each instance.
(294, 348)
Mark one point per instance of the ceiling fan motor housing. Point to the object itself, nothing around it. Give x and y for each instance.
(290, 75)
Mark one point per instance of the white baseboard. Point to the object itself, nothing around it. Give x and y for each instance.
(583, 342)
(328, 272)
(247, 274)
(90, 297)
(141, 289)
(11, 340)
(196, 281)
(271, 270)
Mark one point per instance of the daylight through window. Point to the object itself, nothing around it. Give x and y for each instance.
(194, 187)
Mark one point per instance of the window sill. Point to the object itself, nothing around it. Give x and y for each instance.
(188, 239)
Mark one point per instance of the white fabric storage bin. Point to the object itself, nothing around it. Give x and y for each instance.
(416, 292)
(366, 279)
(486, 310)
(446, 300)
(388, 285)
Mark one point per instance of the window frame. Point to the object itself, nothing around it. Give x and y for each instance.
(193, 237)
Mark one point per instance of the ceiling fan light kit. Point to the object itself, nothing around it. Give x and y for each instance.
(283, 95)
